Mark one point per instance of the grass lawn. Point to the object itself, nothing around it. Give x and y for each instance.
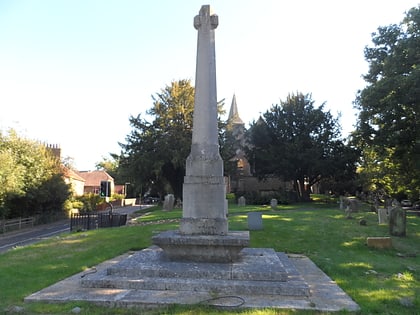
(380, 281)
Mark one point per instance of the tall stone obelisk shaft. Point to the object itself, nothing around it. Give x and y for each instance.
(204, 191)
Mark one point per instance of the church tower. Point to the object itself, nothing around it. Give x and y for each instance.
(237, 127)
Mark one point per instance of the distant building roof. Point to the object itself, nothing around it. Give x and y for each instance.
(69, 173)
(94, 178)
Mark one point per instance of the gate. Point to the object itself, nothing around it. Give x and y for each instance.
(94, 220)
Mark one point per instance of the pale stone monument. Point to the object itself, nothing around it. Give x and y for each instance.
(203, 234)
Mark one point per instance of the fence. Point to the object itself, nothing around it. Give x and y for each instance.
(16, 224)
(95, 220)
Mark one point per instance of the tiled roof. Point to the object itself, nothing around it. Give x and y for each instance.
(69, 173)
(94, 178)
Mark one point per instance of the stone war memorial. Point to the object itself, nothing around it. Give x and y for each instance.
(203, 262)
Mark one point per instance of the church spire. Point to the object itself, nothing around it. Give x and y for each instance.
(233, 113)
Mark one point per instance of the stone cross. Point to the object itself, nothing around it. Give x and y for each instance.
(203, 234)
(204, 191)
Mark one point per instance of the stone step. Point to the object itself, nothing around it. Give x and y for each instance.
(260, 271)
(256, 264)
(289, 288)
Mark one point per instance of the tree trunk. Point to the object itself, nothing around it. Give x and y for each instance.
(302, 190)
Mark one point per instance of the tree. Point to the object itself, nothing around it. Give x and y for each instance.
(301, 143)
(154, 155)
(31, 178)
(388, 129)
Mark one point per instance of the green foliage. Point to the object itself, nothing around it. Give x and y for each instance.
(299, 142)
(31, 181)
(156, 151)
(258, 198)
(89, 201)
(388, 128)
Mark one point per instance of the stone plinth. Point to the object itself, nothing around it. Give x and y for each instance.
(202, 248)
(259, 271)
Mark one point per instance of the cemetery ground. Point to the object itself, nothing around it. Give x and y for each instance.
(381, 281)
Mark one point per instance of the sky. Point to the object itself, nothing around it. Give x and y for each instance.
(72, 72)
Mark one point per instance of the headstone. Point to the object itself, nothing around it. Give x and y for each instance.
(241, 201)
(255, 221)
(342, 200)
(352, 207)
(383, 215)
(168, 203)
(273, 204)
(397, 221)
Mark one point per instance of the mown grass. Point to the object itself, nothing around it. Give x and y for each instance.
(380, 281)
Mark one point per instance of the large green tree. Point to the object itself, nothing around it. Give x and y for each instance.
(301, 143)
(31, 181)
(155, 152)
(388, 130)
(154, 155)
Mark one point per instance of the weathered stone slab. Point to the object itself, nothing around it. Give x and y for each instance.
(325, 295)
(260, 264)
(169, 202)
(397, 221)
(255, 221)
(202, 248)
(379, 242)
(258, 271)
(383, 216)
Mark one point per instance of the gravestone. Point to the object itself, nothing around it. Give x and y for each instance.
(383, 215)
(241, 201)
(352, 207)
(342, 201)
(168, 202)
(255, 221)
(273, 203)
(397, 221)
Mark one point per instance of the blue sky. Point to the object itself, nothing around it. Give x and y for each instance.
(70, 69)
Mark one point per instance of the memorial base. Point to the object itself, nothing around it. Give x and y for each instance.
(202, 248)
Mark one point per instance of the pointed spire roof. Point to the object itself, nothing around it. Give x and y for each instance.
(233, 113)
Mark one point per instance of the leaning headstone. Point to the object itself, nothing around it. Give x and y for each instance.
(383, 215)
(168, 203)
(352, 207)
(255, 221)
(241, 201)
(397, 222)
(273, 203)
